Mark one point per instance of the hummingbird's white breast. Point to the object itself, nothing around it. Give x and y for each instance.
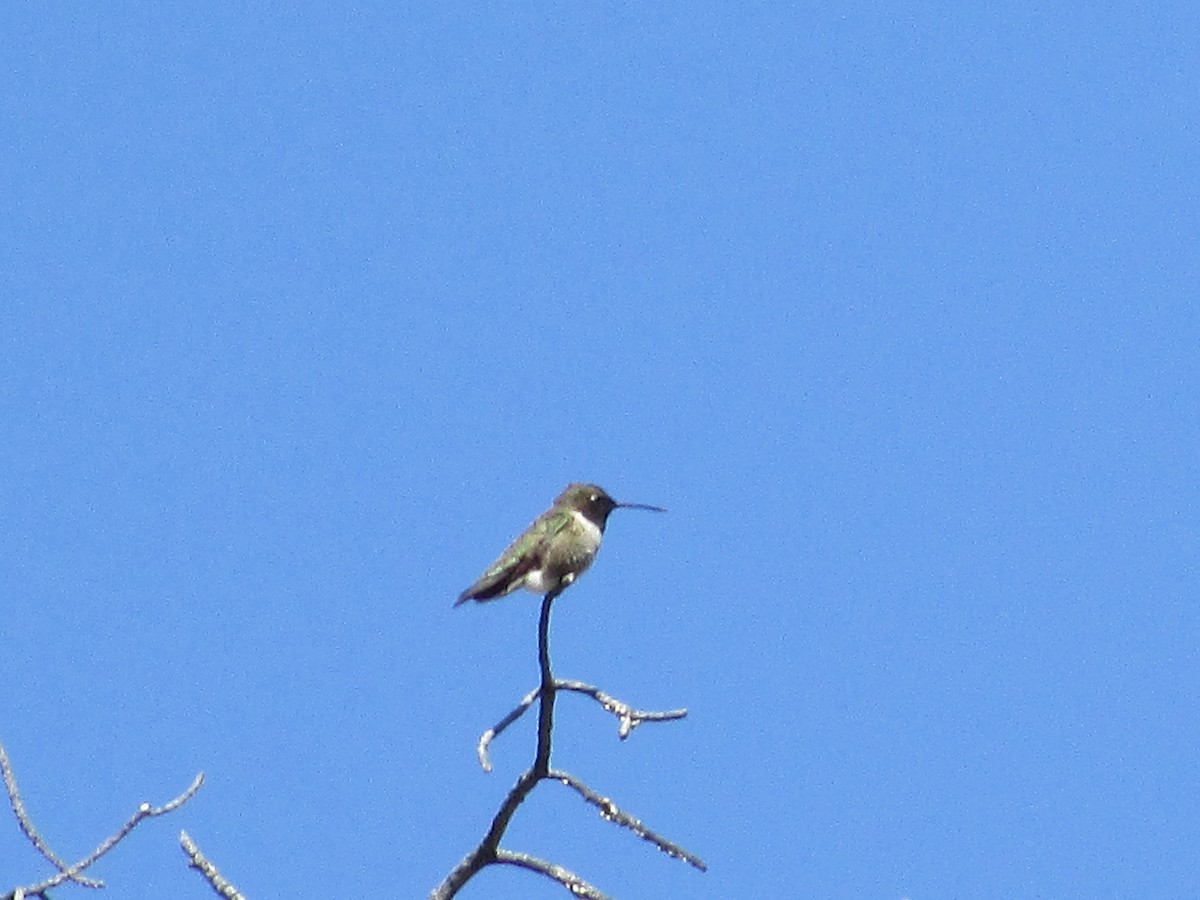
(589, 528)
(545, 579)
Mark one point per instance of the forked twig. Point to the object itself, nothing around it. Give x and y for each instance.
(73, 872)
(26, 824)
(145, 811)
(629, 717)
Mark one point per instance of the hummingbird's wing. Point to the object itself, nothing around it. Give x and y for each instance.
(522, 556)
(503, 576)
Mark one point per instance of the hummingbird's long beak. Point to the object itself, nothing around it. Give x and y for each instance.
(640, 506)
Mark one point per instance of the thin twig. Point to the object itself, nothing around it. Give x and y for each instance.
(145, 811)
(198, 861)
(610, 812)
(630, 718)
(486, 739)
(568, 879)
(18, 807)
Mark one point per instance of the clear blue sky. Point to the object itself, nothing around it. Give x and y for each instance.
(305, 312)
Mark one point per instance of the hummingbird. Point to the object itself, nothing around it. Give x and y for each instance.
(556, 549)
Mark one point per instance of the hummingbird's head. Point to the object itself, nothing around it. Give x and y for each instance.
(595, 503)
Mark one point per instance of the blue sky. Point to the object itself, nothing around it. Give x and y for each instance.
(308, 311)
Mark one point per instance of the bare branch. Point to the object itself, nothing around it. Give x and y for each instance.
(145, 811)
(198, 861)
(486, 739)
(568, 879)
(27, 826)
(488, 851)
(547, 691)
(610, 812)
(630, 718)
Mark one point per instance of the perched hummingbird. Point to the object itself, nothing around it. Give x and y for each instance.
(556, 549)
